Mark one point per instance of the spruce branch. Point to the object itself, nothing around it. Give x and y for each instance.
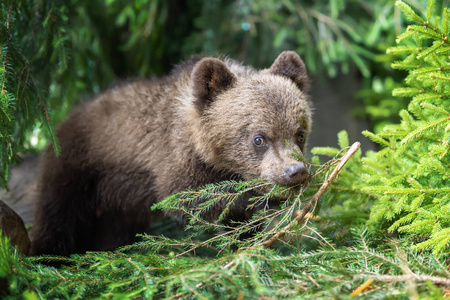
(409, 12)
(313, 201)
(419, 131)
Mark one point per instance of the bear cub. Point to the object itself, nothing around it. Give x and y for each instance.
(210, 120)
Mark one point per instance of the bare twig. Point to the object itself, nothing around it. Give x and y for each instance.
(361, 288)
(312, 202)
(413, 277)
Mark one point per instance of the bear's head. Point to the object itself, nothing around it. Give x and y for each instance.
(249, 122)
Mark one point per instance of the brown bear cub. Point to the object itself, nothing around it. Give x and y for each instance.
(210, 120)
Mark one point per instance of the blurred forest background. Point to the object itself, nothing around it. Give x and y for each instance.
(55, 54)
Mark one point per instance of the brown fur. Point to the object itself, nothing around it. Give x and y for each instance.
(139, 143)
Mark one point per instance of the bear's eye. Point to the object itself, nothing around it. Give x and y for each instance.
(259, 141)
(301, 136)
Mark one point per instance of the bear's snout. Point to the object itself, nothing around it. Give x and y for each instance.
(296, 173)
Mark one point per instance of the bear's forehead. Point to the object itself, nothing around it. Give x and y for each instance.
(278, 125)
(275, 104)
(270, 90)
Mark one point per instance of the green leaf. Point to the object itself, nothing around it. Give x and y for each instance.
(409, 12)
(280, 37)
(430, 9)
(327, 151)
(421, 130)
(404, 220)
(443, 242)
(445, 21)
(360, 63)
(375, 138)
(425, 32)
(429, 50)
(399, 205)
(405, 92)
(433, 107)
(416, 202)
(405, 35)
(401, 50)
(343, 141)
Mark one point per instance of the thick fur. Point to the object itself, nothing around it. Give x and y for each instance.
(138, 143)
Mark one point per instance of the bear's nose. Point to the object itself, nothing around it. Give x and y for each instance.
(296, 173)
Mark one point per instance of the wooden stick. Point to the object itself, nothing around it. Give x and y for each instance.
(413, 277)
(316, 196)
(361, 288)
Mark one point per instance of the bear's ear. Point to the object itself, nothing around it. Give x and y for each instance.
(210, 77)
(288, 64)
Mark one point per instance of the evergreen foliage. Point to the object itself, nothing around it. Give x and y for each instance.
(412, 177)
(408, 179)
(332, 36)
(306, 265)
(22, 102)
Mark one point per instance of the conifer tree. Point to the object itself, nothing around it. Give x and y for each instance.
(409, 179)
(22, 101)
(411, 174)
